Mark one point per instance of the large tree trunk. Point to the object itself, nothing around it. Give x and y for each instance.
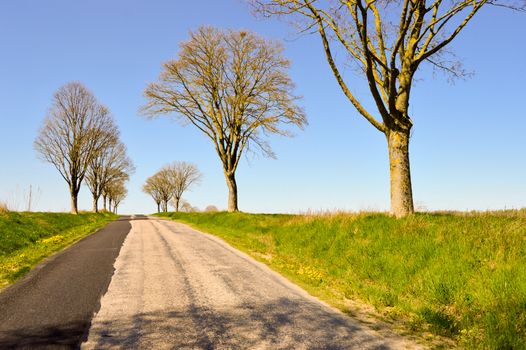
(176, 205)
(158, 207)
(104, 202)
(232, 191)
(400, 173)
(74, 201)
(95, 204)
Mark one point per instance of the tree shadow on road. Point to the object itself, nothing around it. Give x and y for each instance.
(59, 336)
(282, 324)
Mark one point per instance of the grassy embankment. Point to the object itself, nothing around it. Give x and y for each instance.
(28, 238)
(458, 275)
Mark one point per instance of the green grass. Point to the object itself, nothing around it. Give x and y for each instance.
(28, 238)
(456, 275)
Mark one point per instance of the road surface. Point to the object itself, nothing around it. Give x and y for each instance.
(176, 288)
(53, 305)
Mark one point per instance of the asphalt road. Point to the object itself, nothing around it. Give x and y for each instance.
(53, 305)
(176, 288)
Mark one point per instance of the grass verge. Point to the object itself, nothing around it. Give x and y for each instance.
(28, 238)
(455, 275)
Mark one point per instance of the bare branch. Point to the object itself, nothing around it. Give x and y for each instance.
(75, 131)
(233, 86)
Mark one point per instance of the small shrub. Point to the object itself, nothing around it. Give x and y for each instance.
(211, 209)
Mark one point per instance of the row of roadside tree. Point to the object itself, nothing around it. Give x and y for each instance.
(234, 87)
(169, 184)
(81, 139)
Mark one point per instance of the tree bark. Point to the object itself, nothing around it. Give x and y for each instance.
(104, 201)
(74, 201)
(232, 191)
(95, 204)
(158, 207)
(176, 205)
(400, 174)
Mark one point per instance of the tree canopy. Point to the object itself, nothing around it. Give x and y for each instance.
(233, 86)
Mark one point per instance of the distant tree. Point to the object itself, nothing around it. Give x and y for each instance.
(388, 54)
(211, 209)
(160, 187)
(75, 130)
(116, 192)
(166, 187)
(111, 164)
(233, 86)
(151, 187)
(181, 175)
(116, 179)
(187, 207)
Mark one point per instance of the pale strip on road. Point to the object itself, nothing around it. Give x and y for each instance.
(177, 288)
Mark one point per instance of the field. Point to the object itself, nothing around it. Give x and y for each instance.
(459, 276)
(28, 238)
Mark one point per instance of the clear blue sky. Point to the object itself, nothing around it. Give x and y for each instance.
(468, 149)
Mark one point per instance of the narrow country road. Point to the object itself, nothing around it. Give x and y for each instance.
(176, 288)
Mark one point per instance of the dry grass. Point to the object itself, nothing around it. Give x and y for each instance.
(4, 209)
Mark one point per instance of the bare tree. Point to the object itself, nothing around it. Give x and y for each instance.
(111, 164)
(234, 87)
(74, 131)
(166, 187)
(188, 208)
(95, 180)
(181, 175)
(116, 193)
(388, 53)
(151, 187)
(161, 188)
